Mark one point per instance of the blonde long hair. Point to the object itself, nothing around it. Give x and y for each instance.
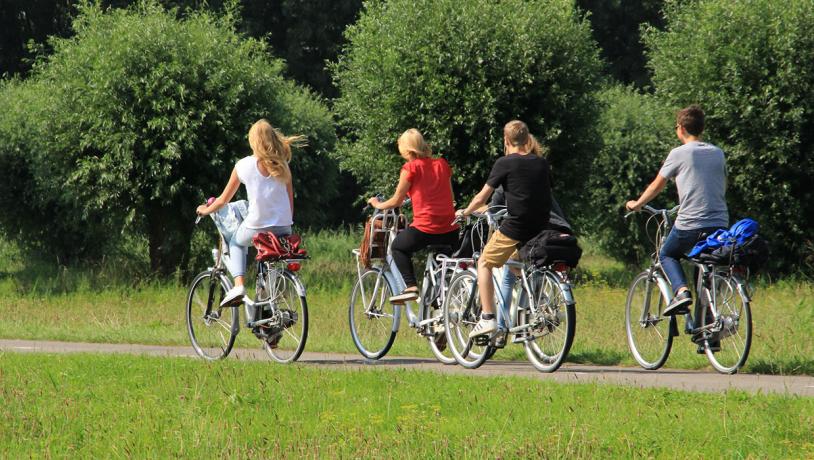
(412, 142)
(273, 149)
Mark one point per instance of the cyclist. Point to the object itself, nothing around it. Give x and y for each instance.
(268, 182)
(556, 221)
(699, 170)
(428, 183)
(525, 179)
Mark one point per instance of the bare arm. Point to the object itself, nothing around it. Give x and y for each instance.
(649, 193)
(478, 201)
(290, 188)
(401, 193)
(225, 197)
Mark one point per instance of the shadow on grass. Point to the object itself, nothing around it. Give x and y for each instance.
(598, 357)
(786, 366)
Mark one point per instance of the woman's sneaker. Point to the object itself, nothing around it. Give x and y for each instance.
(235, 295)
(484, 326)
(405, 296)
(679, 305)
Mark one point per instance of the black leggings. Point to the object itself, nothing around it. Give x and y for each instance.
(412, 240)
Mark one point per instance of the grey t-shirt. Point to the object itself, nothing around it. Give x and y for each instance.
(699, 170)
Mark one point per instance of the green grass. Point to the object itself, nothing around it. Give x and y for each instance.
(97, 406)
(102, 303)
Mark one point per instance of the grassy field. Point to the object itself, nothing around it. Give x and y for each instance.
(95, 406)
(116, 302)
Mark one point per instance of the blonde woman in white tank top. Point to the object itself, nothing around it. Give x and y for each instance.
(267, 178)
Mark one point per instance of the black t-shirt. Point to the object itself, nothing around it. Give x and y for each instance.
(525, 181)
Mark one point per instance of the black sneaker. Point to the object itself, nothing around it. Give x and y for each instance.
(679, 305)
(440, 340)
(713, 347)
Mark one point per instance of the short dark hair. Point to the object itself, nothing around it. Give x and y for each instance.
(692, 119)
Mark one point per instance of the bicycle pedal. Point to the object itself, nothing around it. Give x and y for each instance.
(482, 340)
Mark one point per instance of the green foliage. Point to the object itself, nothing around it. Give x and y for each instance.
(458, 71)
(637, 136)
(752, 69)
(137, 118)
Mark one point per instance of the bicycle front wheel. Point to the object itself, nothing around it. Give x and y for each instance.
(212, 329)
(728, 349)
(648, 332)
(291, 324)
(371, 316)
(551, 322)
(461, 312)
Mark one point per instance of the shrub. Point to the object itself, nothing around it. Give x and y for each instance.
(458, 71)
(637, 133)
(140, 116)
(751, 66)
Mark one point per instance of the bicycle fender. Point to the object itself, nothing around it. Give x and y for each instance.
(297, 283)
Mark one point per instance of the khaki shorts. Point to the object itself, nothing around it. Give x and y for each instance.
(499, 249)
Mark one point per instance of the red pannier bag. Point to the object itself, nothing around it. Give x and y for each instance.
(272, 247)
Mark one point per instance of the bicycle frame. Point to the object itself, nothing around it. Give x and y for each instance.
(436, 267)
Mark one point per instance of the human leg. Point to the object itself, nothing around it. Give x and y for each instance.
(497, 251)
(677, 244)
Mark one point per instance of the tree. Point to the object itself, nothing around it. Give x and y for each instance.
(139, 116)
(458, 71)
(616, 27)
(752, 70)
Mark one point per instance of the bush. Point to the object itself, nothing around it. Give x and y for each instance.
(751, 67)
(458, 71)
(137, 118)
(637, 134)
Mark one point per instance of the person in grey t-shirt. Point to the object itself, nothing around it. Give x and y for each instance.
(699, 170)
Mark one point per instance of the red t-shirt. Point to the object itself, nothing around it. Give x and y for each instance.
(431, 192)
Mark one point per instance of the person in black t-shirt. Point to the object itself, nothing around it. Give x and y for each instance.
(524, 176)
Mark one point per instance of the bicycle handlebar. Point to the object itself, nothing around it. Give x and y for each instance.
(653, 211)
(208, 202)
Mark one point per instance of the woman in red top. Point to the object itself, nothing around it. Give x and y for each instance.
(427, 181)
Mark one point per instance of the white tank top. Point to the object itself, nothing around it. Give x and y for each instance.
(268, 197)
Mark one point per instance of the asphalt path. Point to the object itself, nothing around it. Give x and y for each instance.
(677, 379)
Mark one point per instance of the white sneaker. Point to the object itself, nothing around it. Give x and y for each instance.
(405, 296)
(235, 295)
(484, 326)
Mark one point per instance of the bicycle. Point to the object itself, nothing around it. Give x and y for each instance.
(545, 325)
(278, 315)
(720, 323)
(373, 320)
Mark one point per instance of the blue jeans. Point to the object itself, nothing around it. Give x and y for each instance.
(505, 304)
(240, 242)
(676, 247)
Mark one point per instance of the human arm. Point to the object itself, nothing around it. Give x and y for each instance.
(398, 197)
(290, 189)
(649, 193)
(225, 197)
(478, 201)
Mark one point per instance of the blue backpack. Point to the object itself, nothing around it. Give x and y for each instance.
(738, 234)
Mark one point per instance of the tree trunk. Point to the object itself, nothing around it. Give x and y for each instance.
(170, 232)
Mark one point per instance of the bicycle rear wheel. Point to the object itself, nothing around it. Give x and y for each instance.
(551, 334)
(371, 316)
(648, 332)
(291, 319)
(735, 335)
(435, 331)
(461, 312)
(212, 329)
